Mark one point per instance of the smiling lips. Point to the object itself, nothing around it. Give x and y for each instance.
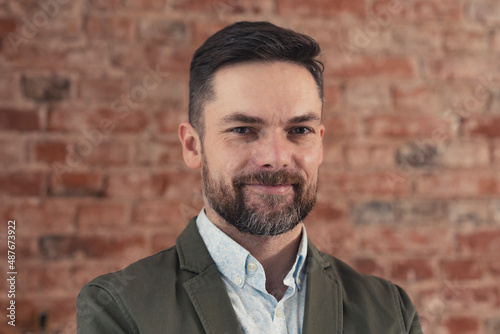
(280, 189)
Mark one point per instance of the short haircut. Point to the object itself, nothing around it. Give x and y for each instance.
(244, 42)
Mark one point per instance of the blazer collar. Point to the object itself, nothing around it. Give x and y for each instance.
(323, 309)
(206, 288)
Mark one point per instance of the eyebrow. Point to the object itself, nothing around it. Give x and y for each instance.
(238, 117)
(309, 117)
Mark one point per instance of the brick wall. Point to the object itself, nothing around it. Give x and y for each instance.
(92, 91)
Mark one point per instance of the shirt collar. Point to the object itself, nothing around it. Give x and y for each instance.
(231, 258)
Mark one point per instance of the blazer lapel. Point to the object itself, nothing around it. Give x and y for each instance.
(206, 289)
(323, 309)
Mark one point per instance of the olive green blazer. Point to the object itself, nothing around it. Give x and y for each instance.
(179, 290)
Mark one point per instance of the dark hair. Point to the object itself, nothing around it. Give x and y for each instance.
(246, 42)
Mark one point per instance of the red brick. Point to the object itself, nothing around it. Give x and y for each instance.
(494, 268)
(103, 214)
(319, 8)
(7, 25)
(77, 184)
(437, 10)
(392, 9)
(462, 325)
(465, 154)
(168, 121)
(421, 211)
(370, 155)
(163, 32)
(466, 98)
(108, 154)
(51, 216)
(409, 241)
(471, 212)
(496, 154)
(160, 153)
(336, 239)
(11, 151)
(101, 89)
(459, 67)
(372, 212)
(370, 95)
(480, 242)
(412, 269)
(201, 30)
(36, 276)
(57, 247)
(127, 55)
(62, 26)
(332, 211)
(486, 127)
(26, 183)
(19, 120)
(374, 183)
(424, 40)
(49, 151)
(101, 6)
(364, 67)
(332, 96)
(467, 39)
(415, 97)
(110, 28)
(185, 186)
(170, 60)
(7, 87)
(462, 269)
(135, 121)
(223, 8)
(342, 125)
(334, 154)
(485, 11)
(164, 240)
(495, 209)
(368, 266)
(106, 120)
(454, 184)
(145, 4)
(135, 184)
(492, 326)
(165, 212)
(392, 125)
(496, 41)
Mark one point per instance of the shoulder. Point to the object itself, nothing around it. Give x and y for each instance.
(144, 272)
(370, 297)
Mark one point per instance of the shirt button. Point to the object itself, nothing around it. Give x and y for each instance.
(252, 266)
(278, 313)
(299, 281)
(239, 280)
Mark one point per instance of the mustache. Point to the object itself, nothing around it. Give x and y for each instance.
(270, 178)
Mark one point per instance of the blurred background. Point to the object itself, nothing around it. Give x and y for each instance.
(92, 91)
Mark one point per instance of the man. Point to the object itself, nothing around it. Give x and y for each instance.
(244, 264)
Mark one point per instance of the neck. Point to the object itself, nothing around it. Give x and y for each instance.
(277, 253)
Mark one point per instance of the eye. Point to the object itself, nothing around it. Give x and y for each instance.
(302, 130)
(241, 130)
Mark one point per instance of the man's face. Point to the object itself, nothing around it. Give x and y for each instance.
(262, 146)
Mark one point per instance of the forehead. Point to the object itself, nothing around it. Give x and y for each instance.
(264, 89)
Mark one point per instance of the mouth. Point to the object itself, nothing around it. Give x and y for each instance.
(280, 189)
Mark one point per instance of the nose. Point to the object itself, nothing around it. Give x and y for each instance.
(273, 151)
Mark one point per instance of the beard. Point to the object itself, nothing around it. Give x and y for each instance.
(258, 213)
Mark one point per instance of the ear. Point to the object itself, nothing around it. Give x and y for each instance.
(191, 145)
(321, 133)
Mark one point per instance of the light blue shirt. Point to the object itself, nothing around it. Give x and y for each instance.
(245, 281)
